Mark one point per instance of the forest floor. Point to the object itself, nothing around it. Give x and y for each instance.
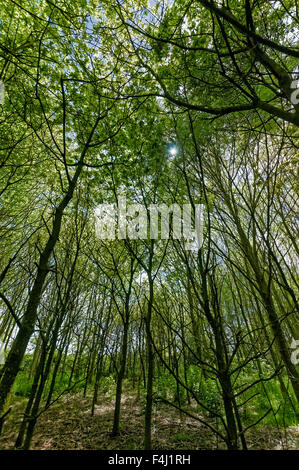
(68, 424)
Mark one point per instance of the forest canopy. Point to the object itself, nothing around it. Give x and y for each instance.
(187, 110)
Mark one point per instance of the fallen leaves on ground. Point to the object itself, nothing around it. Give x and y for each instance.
(69, 425)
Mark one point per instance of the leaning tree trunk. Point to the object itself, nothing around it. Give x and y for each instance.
(17, 351)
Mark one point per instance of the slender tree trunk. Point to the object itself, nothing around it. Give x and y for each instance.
(121, 374)
(150, 368)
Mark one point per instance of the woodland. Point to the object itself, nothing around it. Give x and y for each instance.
(142, 342)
